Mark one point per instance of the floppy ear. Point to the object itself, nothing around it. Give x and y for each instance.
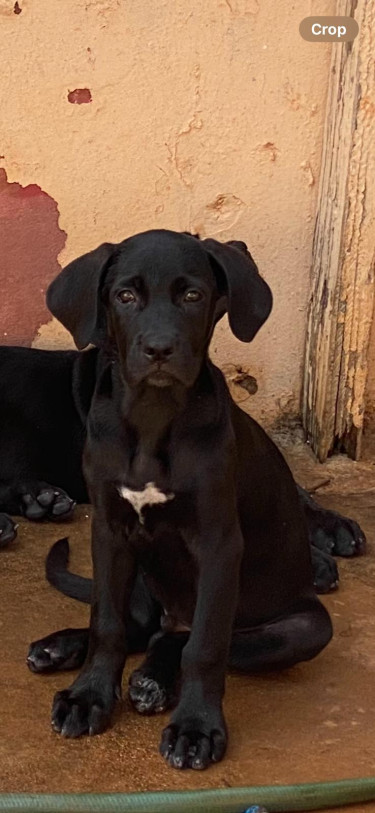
(249, 299)
(74, 296)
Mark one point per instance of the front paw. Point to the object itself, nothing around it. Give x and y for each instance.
(78, 711)
(194, 741)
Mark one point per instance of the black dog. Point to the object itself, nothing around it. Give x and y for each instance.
(45, 400)
(185, 486)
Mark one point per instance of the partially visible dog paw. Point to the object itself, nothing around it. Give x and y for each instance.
(350, 540)
(326, 575)
(61, 650)
(46, 502)
(330, 531)
(77, 711)
(333, 533)
(8, 530)
(147, 695)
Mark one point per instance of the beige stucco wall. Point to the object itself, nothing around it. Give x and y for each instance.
(204, 116)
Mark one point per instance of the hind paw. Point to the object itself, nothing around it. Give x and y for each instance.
(43, 501)
(61, 650)
(148, 695)
(326, 575)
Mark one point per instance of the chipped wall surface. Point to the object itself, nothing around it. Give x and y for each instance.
(370, 392)
(30, 243)
(200, 116)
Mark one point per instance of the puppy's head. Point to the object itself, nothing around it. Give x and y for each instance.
(156, 297)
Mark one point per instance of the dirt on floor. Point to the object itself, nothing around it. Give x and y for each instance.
(313, 722)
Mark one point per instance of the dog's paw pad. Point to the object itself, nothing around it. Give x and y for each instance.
(46, 497)
(8, 530)
(146, 695)
(31, 508)
(46, 502)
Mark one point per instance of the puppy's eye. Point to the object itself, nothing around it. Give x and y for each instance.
(192, 296)
(126, 296)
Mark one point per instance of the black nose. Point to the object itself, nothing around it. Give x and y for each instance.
(158, 350)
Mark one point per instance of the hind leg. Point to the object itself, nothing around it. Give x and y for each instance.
(67, 649)
(280, 644)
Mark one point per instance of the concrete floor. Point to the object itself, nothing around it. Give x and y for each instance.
(314, 722)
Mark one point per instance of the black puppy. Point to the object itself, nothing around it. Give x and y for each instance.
(183, 485)
(44, 403)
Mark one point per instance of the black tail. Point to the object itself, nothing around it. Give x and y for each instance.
(145, 612)
(58, 575)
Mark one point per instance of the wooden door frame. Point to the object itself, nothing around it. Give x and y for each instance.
(341, 303)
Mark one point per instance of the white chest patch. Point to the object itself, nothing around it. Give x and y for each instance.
(150, 495)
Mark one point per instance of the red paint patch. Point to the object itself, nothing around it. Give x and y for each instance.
(30, 242)
(16, 8)
(80, 96)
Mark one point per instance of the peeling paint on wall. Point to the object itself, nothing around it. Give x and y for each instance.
(53, 335)
(200, 117)
(80, 96)
(9, 7)
(218, 216)
(269, 150)
(30, 242)
(240, 8)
